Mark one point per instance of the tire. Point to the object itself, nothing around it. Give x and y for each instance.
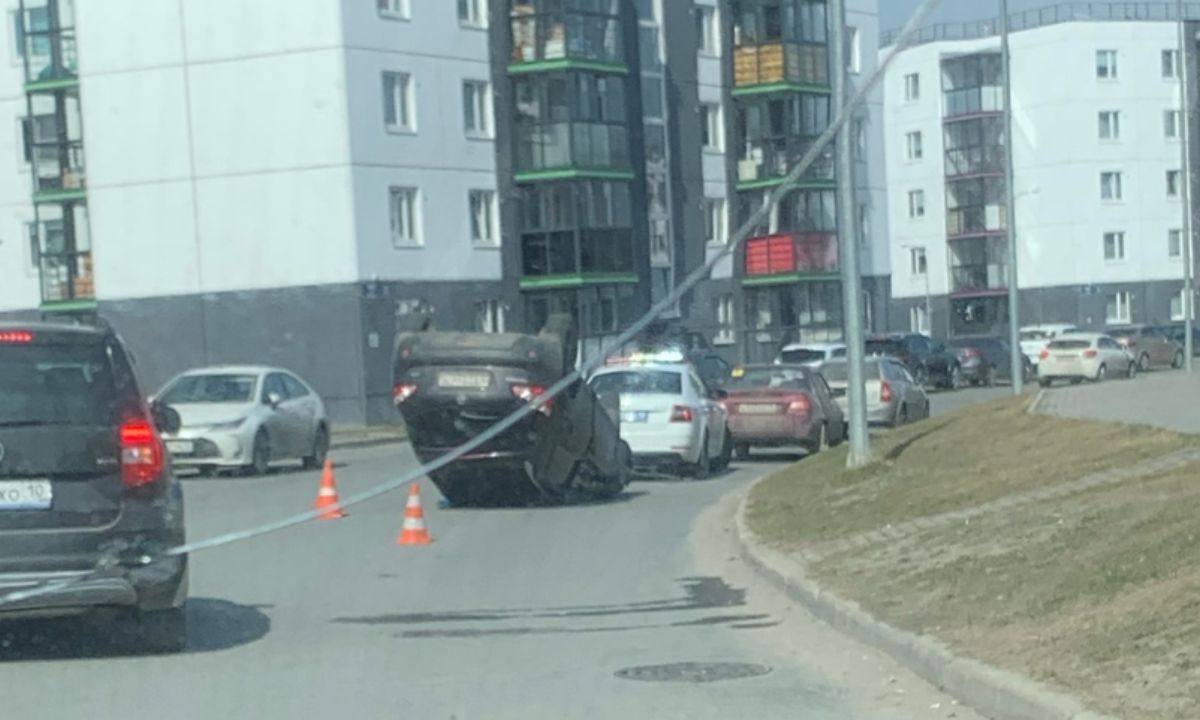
(742, 451)
(1044, 382)
(1144, 362)
(703, 466)
(1101, 373)
(320, 449)
(841, 438)
(990, 379)
(260, 455)
(1177, 361)
(1076, 381)
(162, 631)
(901, 416)
(721, 462)
(822, 441)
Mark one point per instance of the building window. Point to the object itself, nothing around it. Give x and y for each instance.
(472, 13)
(405, 215)
(860, 138)
(1117, 308)
(864, 224)
(917, 263)
(1106, 64)
(1110, 186)
(1170, 64)
(482, 205)
(918, 319)
(715, 230)
(707, 30)
(1110, 125)
(1177, 307)
(477, 108)
(394, 9)
(398, 113)
(1174, 243)
(912, 144)
(1114, 246)
(711, 127)
(489, 316)
(1173, 180)
(912, 87)
(726, 321)
(853, 50)
(916, 204)
(1171, 124)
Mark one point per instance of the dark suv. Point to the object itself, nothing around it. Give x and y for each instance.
(88, 501)
(928, 360)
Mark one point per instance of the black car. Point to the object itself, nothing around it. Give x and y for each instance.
(929, 361)
(88, 499)
(986, 360)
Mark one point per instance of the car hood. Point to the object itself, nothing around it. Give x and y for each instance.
(207, 414)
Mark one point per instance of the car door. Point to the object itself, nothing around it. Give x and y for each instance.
(1163, 349)
(283, 422)
(714, 416)
(911, 392)
(830, 411)
(304, 402)
(1114, 356)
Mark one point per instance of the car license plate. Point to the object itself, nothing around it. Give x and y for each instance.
(181, 447)
(635, 416)
(26, 495)
(757, 409)
(464, 380)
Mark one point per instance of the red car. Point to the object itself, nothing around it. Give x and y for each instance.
(781, 406)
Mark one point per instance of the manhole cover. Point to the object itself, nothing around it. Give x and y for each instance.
(693, 672)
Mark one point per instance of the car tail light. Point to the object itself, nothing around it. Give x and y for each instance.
(529, 393)
(16, 337)
(402, 392)
(141, 454)
(1089, 354)
(1045, 353)
(800, 406)
(682, 414)
(885, 392)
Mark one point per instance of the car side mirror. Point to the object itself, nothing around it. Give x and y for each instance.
(166, 418)
(274, 400)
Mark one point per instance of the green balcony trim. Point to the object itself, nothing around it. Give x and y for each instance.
(578, 280)
(566, 64)
(57, 196)
(789, 278)
(802, 185)
(66, 306)
(569, 173)
(52, 84)
(745, 90)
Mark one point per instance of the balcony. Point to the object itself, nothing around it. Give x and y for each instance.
(568, 149)
(787, 256)
(976, 220)
(973, 161)
(58, 170)
(766, 162)
(973, 102)
(67, 278)
(557, 39)
(781, 65)
(979, 279)
(51, 60)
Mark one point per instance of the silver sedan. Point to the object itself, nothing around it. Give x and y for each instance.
(245, 418)
(894, 397)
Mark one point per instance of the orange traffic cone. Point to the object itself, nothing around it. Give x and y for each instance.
(327, 496)
(414, 532)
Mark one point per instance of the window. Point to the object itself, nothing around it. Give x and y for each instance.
(1117, 308)
(489, 316)
(1110, 125)
(853, 50)
(398, 102)
(1171, 124)
(1114, 246)
(860, 138)
(472, 13)
(711, 127)
(394, 9)
(912, 143)
(1170, 64)
(1106, 64)
(917, 262)
(477, 108)
(916, 204)
(1110, 186)
(918, 319)
(864, 223)
(1177, 307)
(31, 232)
(707, 30)
(715, 230)
(1173, 181)
(912, 87)
(726, 322)
(1174, 243)
(483, 217)
(405, 215)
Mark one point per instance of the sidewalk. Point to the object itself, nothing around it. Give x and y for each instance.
(1166, 399)
(350, 437)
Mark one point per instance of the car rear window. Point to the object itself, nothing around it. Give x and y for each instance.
(67, 384)
(883, 347)
(1070, 344)
(836, 372)
(1034, 335)
(639, 382)
(210, 389)
(774, 378)
(802, 355)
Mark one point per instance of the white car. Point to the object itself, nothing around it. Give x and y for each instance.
(668, 417)
(1081, 356)
(1035, 337)
(245, 418)
(811, 354)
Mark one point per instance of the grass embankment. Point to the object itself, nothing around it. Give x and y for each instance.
(1096, 592)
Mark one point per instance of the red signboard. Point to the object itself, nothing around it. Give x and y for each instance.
(792, 253)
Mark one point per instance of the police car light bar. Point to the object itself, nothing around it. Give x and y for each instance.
(665, 356)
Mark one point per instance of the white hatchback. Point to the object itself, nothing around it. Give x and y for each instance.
(668, 417)
(811, 354)
(1084, 356)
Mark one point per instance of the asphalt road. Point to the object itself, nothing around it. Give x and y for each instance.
(526, 613)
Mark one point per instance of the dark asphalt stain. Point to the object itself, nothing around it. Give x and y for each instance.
(755, 626)
(722, 620)
(693, 672)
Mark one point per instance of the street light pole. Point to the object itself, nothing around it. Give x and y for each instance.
(1017, 366)
(1185, 116)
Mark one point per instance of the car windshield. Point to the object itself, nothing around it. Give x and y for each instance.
(56, 384)
(770, 378)
(639, 382)
(216, 388)
(1034, 335)
(802, 355)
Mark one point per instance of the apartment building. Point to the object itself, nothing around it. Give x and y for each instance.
(1096, 164)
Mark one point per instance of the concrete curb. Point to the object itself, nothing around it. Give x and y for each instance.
(376, 442)
(1037, 402)
(995, 693)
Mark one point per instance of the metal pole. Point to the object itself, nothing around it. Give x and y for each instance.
(1185, 117)
(856, 348)
(1017, 366)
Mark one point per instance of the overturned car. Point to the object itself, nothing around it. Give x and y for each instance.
(451, 386)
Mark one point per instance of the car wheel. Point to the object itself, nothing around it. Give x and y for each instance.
(1076, 381)
(1101, 372)
(703, 466)
(1133, 371)
(320, 449)
(260, 455)
(722, 461)
(821, 442)
(163, 631)
(841, 436)
(990, 380)
(1044, 382)
(1144, 362)
(902, 416)
(742, 451)
(1177, 362)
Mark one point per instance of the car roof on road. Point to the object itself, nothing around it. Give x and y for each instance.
(636, 367)
(814, 346)
(61, 328)
(1081, 336)
(237, 369)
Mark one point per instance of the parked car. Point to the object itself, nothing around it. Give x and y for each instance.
(780, 406)
(894, 397)
(1035, 337)
(1152, 346)
(929, 361)
(810, 354)
(986, 360)
(1176, 332)
(245, 417)
(88, 499)
(1081, 356)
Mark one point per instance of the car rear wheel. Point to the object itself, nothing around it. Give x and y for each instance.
(320, 449)
(742, 451)
(1133, 371)
(902, 416)
(722, 461)
(820, 442)
(1101, 373)
(703, 466)
(260, 455)
(1044, 382)
(1177, 362)
(163, 631)
(1143, 362)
